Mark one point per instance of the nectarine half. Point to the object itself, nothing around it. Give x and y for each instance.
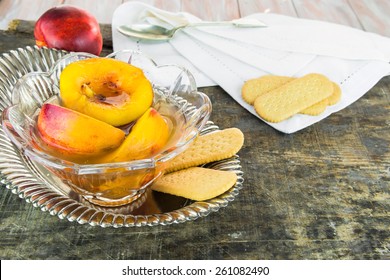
(71, 133)
(106, 89)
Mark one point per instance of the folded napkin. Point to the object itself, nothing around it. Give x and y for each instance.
(228, 56)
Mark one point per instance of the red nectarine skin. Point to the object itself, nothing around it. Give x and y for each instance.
(70, 132)
(69, 28)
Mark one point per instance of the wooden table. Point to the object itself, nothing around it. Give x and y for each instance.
(321, 193)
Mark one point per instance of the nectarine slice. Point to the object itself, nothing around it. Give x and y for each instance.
(70, 132)
(147, 138)
(106, 89)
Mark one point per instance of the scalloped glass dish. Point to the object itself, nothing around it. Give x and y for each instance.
(110, 184)
(49, 183)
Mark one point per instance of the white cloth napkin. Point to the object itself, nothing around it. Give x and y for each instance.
(228, 56)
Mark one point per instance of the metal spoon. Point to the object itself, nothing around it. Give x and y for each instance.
(157, 33)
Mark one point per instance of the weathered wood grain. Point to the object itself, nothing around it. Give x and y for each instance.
(366, 14)
(24, 9)
(337, 11)
(284, 7)
(321, 193)
(102, 9)
(219, 9)
(373, 15)
(172, 5)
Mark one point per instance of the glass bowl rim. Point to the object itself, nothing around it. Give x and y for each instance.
(97, 168)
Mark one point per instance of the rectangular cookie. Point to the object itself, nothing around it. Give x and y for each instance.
(256, 87)
(320, 107)
(196, 183)
(289, 99)
(207, 148)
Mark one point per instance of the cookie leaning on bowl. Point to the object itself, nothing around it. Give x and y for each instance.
(207, 148)
(185, 178)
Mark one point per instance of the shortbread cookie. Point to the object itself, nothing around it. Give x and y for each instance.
(256, 87)
(289, 99)
(207, 148)
(320, 107)
(316, 109)
(336, 96)
(196, 183)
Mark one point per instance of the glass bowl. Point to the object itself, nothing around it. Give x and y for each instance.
(111, 184)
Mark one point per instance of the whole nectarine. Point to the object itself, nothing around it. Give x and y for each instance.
(69, 28)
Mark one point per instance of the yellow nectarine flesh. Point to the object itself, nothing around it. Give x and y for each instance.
(72, 133)
(106, 89)
(147, 138)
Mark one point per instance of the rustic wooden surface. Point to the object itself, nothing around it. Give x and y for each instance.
(321, 193)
